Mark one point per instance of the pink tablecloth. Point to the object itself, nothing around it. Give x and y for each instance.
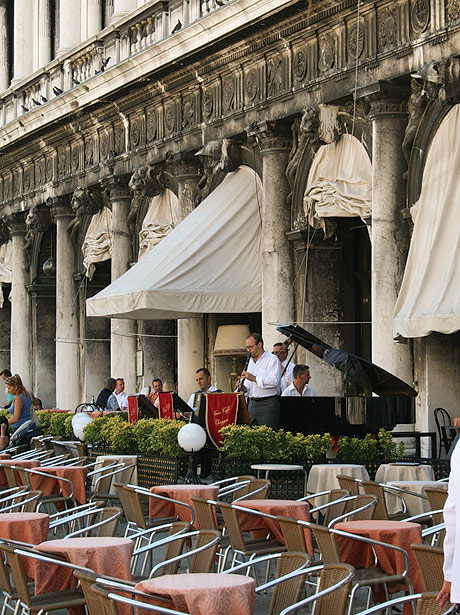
(106, 556)
(26, 527)
(50, 486)
(23, 463)
(182, 493)
(397, 533)
(202, 594)
(282, 508)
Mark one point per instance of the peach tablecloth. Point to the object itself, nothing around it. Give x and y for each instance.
(202, 594)
(24, 463)
(27, 527)
(283, 508)
(397, 533)
(106, 556)
(50, 486)
(182, 493)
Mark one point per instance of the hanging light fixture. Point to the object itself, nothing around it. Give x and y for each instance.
(49, 266)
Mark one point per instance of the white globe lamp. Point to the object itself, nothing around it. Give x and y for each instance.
(192, 438)
(79, 422)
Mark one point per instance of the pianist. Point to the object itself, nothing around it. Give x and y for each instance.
(300, 386)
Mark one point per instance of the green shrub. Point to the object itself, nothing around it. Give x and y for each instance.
(264, 444)
(370, 448)
(159, 437)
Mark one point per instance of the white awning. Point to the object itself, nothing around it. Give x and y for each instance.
(97, 246)
(160, 219)
(210, 263)
(429, 298)
(6, 253)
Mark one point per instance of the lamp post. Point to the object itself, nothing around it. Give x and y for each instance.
(192, 438)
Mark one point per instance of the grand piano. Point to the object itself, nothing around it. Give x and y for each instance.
(384, 399)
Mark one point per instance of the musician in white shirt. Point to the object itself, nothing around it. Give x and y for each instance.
(451, 587)
(300, 386)
(203, 380)
(280, 349)
(262, 381)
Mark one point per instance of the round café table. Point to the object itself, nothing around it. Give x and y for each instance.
(23, 463)
(390, 472)
(31, 527)
(277, 508)
(202, 594)
(397, 533)
(182, 493)
(415, 505)
(323, 477)
(51, 486)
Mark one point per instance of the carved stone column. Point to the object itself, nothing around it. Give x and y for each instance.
(20, 304)
(390, 238)
(123, 330)
(277, 292)
(190, 331)
(68, 390)
(4, 46)
(22, 36)
(69, 25)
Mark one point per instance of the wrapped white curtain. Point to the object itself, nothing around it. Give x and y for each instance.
(339, 184)
(161, 217)
(97, 246)
(429, 298)
(6, 251)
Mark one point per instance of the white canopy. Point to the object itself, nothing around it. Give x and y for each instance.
(339, 184)
(160, 219)
(6, 253)
(97, 246)
(429, 298)
(209, 263)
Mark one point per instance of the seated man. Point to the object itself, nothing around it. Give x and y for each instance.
(203, 380)
(300, 386)
(121, 395)
(154, 394)
(106, 398)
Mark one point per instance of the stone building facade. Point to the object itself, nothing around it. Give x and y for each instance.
(104, 104)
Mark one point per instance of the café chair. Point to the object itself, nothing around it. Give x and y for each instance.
(27, 601)
(108, 600)
(24, 502)
(103, 478)
(446, 431)
(432, 533)
(333, 588)
(255, 489)
(334, 507)
(436, 498)
(426, 604)
(65, 500)
(349, 483)
(381, 510)
(103, 522)
(364, 577)
(430, 561)
(174, 544)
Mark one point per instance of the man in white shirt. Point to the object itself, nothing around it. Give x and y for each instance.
(262, 382)
(451, 587)
(122, 397)
(300, 386)
(203, 380)
(280, 349)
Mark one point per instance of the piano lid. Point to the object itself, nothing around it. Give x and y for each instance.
(373, 378)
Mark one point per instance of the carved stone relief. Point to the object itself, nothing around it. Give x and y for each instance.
(228, 94)
(152, 125)
(275, 76)
(299, 65)
(147, 181)
(7, 187)
(221, 155)
(416, 107)
(85, 202)
(355, 40)
(104, 146)
(170, 119)
(326, 53)
(28, 178)
(62, 163)
(441, 80)
(119, 139)
(250, 85)
(207, 105)
(188, 112)
(4, 232)
(135, 133)
(37, 221)
(90, 159)
(49, 169)
(452, 11)
(75, 157)
(420, 15)
(386, 30)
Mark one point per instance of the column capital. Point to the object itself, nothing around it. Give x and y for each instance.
(16, 224)
(271, 136)
(386, 99)
(387, 108)
(116, 187)
(185, 165)
(60, 208)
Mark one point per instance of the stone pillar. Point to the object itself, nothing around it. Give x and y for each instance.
(42, 54)
(23, 39)
(190, 331)
(390, 237)
(123, 342)
(21, 346)
(43, 333)
(122, 8)
(69, 25)
(275, 142)
(4, 46)
(93, 17)
(68, 392)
